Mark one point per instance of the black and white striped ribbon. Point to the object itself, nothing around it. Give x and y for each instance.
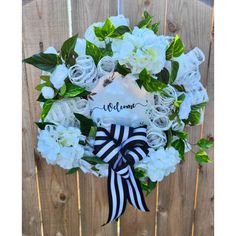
(120, 147)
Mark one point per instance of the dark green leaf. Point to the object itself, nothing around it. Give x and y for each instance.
(181, 135)
(93, 51)
(179, 146)
(180, 100)
(73, 90)
(119, 31)
(93, 131)
(174, 70)
(180, 88)
(198, 106)
(41, 98)
(163, 76)
(40, 86)
(169, 135)
(46, 108)
(62, 90)
(93, 160)
(85, 123)
(139, 173)
(67, 50)
(175, 48)
(42, 125)
(72, 171)
(205, 143)
(105, 30)
(44, 61)
(122, 69)
(155, 27)
(194, 118)
(45, 78)
(201, 157)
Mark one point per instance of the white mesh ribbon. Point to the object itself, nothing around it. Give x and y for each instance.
(156, 138)
(62, 111)
(105, 66)
(84, 72)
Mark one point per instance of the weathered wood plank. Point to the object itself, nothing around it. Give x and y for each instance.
(142, 223)
(204, 215)
(31, 225)
(93, 190)
(192, 21)
(45, 23)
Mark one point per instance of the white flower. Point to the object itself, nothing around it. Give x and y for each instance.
(80, 47)
(160, 163)
(50, 50)
(59, 75)
(116, 21)
(47, 92)
(185, 107)
(141, 49)
(60, 145)
(102, 170)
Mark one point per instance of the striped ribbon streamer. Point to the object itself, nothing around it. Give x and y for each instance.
(120, 147)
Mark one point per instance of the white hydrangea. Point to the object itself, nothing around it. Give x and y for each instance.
(160, 163)
(47, 92)
(102, 170)
(60, 145)
(141, 49)
(116, 21)
(59, 75)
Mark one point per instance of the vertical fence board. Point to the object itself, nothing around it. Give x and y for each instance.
(204, 216)
(134, 222)
(30, 212)
(192, 21)
(45, 23)
(93, 190)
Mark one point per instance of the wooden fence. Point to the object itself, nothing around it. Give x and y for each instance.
(55, 204)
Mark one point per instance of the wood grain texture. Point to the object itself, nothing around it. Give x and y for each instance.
(93, 190)
(31, 224)
(45, 23)
(85, 13)
(204, 215)
(192, 21)
(142, 223)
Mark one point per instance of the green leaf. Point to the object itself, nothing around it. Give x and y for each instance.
(93, 131)
(181, 135)
(148, 186)
(45, 78)
(174, 70)
(42, 125)
(180, 100)
(175, 48)
(180, 88)
(45, 62)
(40, 86)
(73, 90)
(93, 160)
(119, 31)
(67, 50)
(163, 76)
(105, 30)
(149, 83)
(122, 69)
(139, 173)
(46, 108)
(85, 123)
(41, 98)
(145, 22)
(93, 51)
(201, 157)
(72, 171)
(169, 135)
(62, 90)
(194, 118)
(179, 146)
(198, 106)
(205, 143)
(155, 27)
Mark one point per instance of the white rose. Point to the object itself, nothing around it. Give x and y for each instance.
(80, 47)
(141, 49)
(47, 92)
(59, 75)
(185, 107)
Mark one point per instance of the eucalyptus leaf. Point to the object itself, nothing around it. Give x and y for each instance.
(44, 61)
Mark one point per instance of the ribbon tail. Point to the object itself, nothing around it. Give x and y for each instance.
(135, 193)
(116, 195)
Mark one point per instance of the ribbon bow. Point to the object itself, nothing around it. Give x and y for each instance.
(121, 147)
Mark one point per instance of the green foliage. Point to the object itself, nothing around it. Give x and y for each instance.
(119, 31)
(201, 157)
(179, 100)
(149, 83)
(175, 48)
(103, 31)
(180, 88)
(40, 86)
(164, 76)
(205, 143)
(174, 70)
(93, 160)
(122, 69)
(179, 145)
(72, 171)
(93, 51)
(139, 173)
(85, 123)
(42, 125)
(73, 90)
(93, 131)
(44, 61)
(194, 118)
(148, 186)
(198, 106)
(67, 50)
(46, 108)
(180, 134)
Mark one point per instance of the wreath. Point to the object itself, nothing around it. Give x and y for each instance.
(117, 103)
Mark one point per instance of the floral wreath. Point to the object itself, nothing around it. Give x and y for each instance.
(116, 104)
